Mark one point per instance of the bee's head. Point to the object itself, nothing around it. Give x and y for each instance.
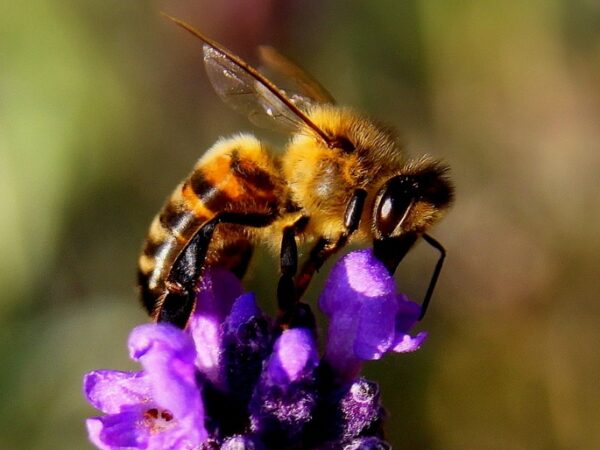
(412, 201)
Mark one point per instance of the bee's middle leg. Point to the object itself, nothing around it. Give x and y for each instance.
(292, 313)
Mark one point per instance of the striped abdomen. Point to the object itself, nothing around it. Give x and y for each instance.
(235, 175)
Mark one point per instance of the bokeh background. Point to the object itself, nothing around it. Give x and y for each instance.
(105, 106)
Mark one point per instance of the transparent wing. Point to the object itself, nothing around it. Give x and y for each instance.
(295, 81)
(246, 90)
(248, 96)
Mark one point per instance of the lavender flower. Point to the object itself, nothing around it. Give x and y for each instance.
(367, 317)
(234, 380)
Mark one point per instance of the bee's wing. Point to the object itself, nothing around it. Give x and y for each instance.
(293, 79)
(246, 90)
(245, 94)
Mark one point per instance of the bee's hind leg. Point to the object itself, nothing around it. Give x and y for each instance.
(180, 298)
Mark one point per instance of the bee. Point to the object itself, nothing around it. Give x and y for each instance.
(340, 178)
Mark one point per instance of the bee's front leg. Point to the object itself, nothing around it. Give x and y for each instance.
(324, 247)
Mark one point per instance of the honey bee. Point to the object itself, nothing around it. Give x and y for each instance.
(340, 178)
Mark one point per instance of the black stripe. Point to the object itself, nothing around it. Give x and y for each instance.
(173, 215)
(152, 247)
(147, 297)
(251, 173)
(212, 197)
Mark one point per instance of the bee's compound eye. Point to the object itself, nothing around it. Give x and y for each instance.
(395, 201)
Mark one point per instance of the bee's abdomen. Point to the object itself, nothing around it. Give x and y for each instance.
(230, 177)
(170, 230)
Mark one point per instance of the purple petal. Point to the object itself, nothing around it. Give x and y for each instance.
(376, 326)
(407, 343)
(135, 428)
(94, 427)
(245, 343)
(110, 390)
(294, 357)
(339, 353)
(360, 408)
(367, 317)
(407, 316)
(160, 339)
(368, 443)
(359, 298)
(359, 273)
(167, 355)
(286, 395)
(242, 443)
(243, 309)
(177, 438)
(123, 430)
(218, 290)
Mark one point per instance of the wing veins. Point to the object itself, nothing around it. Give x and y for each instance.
(256, 75)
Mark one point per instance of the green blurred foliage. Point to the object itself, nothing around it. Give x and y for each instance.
(104, 107)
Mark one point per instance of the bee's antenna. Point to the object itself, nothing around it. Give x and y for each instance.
(436, 272)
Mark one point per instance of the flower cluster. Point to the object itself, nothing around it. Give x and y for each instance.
(235, 380)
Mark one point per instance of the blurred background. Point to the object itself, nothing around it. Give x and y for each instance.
(105, 106)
